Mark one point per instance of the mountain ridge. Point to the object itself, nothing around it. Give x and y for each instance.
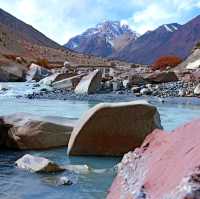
(27, 31)
(101, 39)
(167, 39)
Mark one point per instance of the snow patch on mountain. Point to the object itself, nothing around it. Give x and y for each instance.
(171, 27)
(109, 30)
(168, 28)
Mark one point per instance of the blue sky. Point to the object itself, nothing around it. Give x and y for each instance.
(63, 19)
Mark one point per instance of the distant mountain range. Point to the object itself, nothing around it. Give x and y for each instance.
(103, 40)
(109, 39)
(113, 40)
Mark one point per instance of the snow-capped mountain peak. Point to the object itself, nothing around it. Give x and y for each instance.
(111, 29)
(103, 36)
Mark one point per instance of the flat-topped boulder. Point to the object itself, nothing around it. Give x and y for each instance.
(161, 77)
(37, 164)
(68, 83)
(56, 77)
(37, 72)
(167, 165)
(90, 83)
(29, 131)
(113, 128)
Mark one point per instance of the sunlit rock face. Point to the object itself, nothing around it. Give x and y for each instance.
(90, 83)
(37, 164)
(37, 72)
(113, 129)
(28, 131)
(166, 166)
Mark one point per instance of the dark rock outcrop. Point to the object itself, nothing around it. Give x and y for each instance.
(161, 77)
(3, 132)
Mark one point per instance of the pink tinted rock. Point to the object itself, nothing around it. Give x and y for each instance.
(166, 166)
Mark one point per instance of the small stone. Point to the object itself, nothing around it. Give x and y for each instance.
(181, 93)
(37, 164)
(145, 91)
(135, 89)
(197, 90)
(64, 181)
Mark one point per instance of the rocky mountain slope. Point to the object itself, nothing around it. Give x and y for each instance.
(102, 40)
(191, 63)
(171, 39)
(18, 39)
(26, 31)
(147, 47)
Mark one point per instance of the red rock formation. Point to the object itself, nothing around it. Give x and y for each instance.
(167, 166)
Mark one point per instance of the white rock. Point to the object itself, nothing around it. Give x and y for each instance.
(149, 86)
(64, 181)
(135, 89)
(197, 90)
(37, 72)
(68, 83)
(37, 164)
(3, 87)
(79, 169)
(49, 80)
(181, 93)
(126, 83)
(117, 85)
(66, 64)
(194, 65)
(145, 91)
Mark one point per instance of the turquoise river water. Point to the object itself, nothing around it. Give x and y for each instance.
(18, 184)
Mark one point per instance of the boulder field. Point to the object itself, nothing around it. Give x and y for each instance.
(113, 129)
(166, 166)
(27, 131)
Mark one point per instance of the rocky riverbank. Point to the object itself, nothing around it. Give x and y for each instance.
(163, 90)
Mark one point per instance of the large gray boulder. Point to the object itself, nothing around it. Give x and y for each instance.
(12, 73)
(37, 72)
(113, 128)
(29, 131)
(37, 164)
(90, 83)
